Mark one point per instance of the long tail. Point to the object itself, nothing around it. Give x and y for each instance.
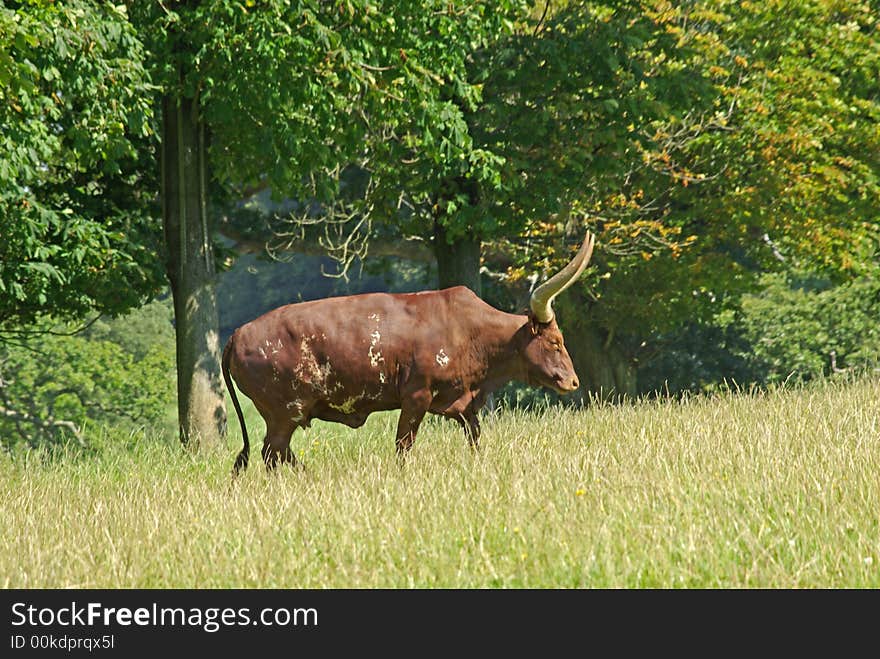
(241, 462)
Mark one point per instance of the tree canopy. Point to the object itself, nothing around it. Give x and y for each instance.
(76, 176)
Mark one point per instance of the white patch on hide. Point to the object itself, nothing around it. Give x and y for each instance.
(346, 407)
(442, 358)
(309, 370)
(270, 347)
(296, 406)
(375, 355)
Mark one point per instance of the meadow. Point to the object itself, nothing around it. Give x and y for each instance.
(777, 489)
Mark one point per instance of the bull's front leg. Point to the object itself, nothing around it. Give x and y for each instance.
(465, 411)
(412, 410)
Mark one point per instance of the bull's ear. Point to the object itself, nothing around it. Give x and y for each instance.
(534, 325)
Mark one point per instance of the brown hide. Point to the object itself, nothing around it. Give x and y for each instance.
(340, 359)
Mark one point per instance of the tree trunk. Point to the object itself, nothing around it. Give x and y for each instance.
(603, 369)
(458, 262)
(200, 401)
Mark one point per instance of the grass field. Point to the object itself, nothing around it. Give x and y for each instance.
(779, 489)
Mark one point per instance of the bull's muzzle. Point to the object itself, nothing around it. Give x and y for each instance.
(567, 385)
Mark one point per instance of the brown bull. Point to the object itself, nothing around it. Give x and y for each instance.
(343, 358)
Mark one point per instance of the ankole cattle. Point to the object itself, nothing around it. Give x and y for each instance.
(341, 359)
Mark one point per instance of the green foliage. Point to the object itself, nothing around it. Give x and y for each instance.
(703, 356)
(795, 330)
(292, 91)
(75, 163)
(557, 107)
(140, 331)
(572, 102)
(800, 149)
(118, 372)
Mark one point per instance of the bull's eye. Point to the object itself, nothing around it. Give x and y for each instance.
(557, 346)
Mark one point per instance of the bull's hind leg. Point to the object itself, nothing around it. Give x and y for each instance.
(276, 446)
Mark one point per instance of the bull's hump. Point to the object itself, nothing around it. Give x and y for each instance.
(459, 293)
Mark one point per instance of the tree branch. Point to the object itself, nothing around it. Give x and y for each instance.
(309, 243)
(48, 424)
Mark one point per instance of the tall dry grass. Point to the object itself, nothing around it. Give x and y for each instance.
(778, 489)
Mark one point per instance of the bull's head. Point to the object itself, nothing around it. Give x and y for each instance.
(546, 360)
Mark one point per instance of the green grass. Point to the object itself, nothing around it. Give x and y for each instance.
(780, 489)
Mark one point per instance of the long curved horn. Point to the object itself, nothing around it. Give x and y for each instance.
(542, 297)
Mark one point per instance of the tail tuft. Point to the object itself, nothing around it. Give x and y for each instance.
(241, 462)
